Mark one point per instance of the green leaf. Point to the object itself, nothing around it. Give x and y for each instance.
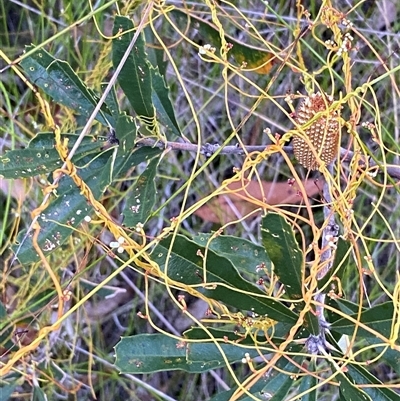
(308, 382)
(282, 248)
(125, 162)
(135, 77)
(343, 305)
(155, 55)
(349, 392)
(40, 157)
(163, 106)
(148, 353)
(125, 133)
(57, 79)
(274, 385)
(198, 333)
(378, 318)
(6, 390)
(376, 391)
(223, 281)
(141, 82)
(255, 389)
(67, 210)
(280, 243)
(254, 58)
(280, 383)
(5, 334)
(38, 394)
(37, 303)
(231, 332)
(210, 355)
(128, 154)
(391, 356)
(111, 101)
(247, 257)
(340, 261)
(140, 203)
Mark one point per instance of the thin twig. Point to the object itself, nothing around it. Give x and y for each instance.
(209, 149)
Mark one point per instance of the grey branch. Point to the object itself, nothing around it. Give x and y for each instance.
(209, 149)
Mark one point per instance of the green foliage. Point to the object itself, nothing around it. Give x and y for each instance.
(148, 353)
(60, 82)
(280, 243)
(181, 261)
(114, 219)
(135, 77)
(41, 157)
(143, 197)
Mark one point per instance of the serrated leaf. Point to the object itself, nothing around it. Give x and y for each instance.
(378, 318)
(135, 77)
(56, 78)
(41, 157)
(163, 106)
(186, 265)
(140, 202)
(247, 257)
(282, 248)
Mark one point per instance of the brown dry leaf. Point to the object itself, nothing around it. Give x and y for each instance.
(222, 208)
(16, 188)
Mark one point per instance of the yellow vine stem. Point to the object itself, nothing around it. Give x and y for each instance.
(395, 329)
(69, 169)
(254, 378)
(44, 331)
(43, 104)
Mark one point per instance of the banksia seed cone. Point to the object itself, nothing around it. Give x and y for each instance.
(323, 133)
